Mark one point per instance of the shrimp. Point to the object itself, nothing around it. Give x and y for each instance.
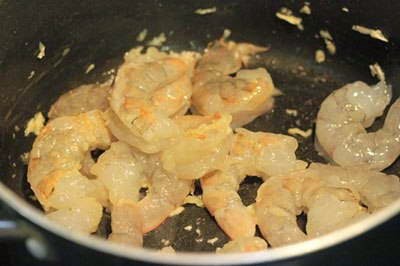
(123, 170)
(55, 162)
(341, 123)
(245, 244)
(331, 196)
(81, 99)
(126, 224)
(259, 153)
(166, 193)
(264, 154)
(149, 90)
(245, 96)
(202, 148)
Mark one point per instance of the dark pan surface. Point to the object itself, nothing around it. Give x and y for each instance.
(101, 37)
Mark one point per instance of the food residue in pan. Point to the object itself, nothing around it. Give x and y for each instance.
(90, 68)
(35, 124)
(297, 131)
(373, 33)
(205, 11)
(158, 40)
(142, 35)
(286, 14)
(41, 51)
(328, 39)
(320, 56)
(306, 9)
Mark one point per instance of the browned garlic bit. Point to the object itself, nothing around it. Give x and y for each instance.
(205, 11)
(376, 34)
(287, 15)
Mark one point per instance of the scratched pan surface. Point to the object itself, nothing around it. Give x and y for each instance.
(99, 32)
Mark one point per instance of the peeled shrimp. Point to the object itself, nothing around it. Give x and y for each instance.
(331, 196)
(341, 123)
(166, 193)
(81, 99)
(245, 244)
(54, 168)
(245, 96)
(202, 148)
(252, 153)
(149, 89)
(123, 170)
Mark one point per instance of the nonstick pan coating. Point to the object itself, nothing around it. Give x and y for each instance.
(99, 32)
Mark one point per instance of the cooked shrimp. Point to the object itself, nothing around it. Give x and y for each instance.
(252, 153)
(246, 244)
(55, 162)
(202, 148)
(121, 172)
(264, 154)
(341, 123)
(149, 90)
(331, 196)
(223, 202)
(166, 193)
(126, 224)
(245, 96)
(81, 99)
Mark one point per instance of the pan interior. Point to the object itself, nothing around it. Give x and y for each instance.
(81, 38)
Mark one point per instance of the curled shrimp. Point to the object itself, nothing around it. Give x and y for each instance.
(245, 244)
(252, 153)
(202, 148)
(245, 96)
(123, 170)
(331, 196)
(81, 99)
(341, 123)
(149, 90)
(54, 168)
(166, 193)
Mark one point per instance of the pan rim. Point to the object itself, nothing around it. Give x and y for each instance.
(26, 210)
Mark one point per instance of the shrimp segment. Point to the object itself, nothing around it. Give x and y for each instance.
(245, 244)
(80, 100)
(330, 195)
(149, 89)
(223, 202)
(126, 224)
(259, 153)
(202, 148)
(341, 123)
(245, 96)
(55, 162)
(165, 194)
(121, 173)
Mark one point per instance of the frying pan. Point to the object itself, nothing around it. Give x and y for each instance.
(77, 34)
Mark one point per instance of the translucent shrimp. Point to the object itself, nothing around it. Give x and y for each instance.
(245, 244)
(149, 90)
(341, 123)
(245, 96)
(264, 154)
(331, 196)
(202, 148)
(166, 193)
(54, 168)
(261, 154)
(81, 99)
